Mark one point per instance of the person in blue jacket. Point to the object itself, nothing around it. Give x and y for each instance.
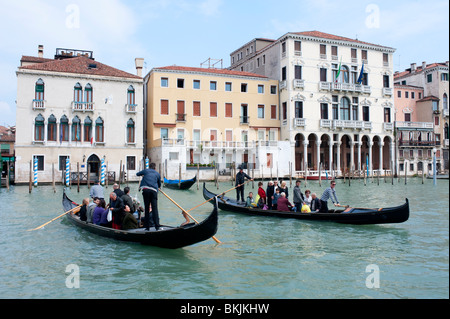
(150, 183)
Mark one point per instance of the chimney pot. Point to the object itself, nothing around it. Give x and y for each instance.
(413, 67)
(424, 65)
(40, 51)
(139, 65)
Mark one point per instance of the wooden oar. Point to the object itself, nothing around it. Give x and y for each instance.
(184, 211)
(71, 210)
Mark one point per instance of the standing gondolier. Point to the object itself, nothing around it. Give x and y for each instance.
(151, 182)
(240, 179)
(329, 193)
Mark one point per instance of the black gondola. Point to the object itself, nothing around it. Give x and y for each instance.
(360, 216)
(177, 184)
(165, 237)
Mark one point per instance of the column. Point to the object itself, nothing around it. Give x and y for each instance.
(338, 157)
(318, 155)
(359, 156)
(352, 155)
(330, 155)
(392, 158)
(370, 144)
(380, 167)
(305, 154)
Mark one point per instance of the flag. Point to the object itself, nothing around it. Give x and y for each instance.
(338, 72)
(92, 140)
(361, 74)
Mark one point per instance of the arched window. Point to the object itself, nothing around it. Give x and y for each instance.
(130, 131)
(88, 97)
(51, 128)
(130, 96)
(99, 130)
(76, 129)
(345, 109)
(78, 93)
(345, 74)
(445, 101)
(39, 90)
(64, 129)
(88, 130)
(39, 128)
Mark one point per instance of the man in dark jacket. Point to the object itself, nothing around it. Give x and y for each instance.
(315, 203)
(127, 200)
(240, 179)
(151, 182)
(269, 193)
(117, 211)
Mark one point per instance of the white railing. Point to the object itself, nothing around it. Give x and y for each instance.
(388, 126)
(299, 84)
(349, 124)
(445, 112)
(325, 123)
(299, 122)
(345, 87)
(425, 125)
(283, 85)
(83, 106)
(131, 108)
(387, 91)
(38, 104)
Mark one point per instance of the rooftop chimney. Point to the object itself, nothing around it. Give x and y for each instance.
(424, 65)
(40, 51)
(413, 67)
(139, 65)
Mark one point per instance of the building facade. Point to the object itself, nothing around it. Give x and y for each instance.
(336, 98)
(213, 117)
(433, 106)
(73, 107)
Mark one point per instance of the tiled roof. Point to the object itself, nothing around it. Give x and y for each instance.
(419, 69)
(429, 98)
(323, 35)
(79, 65)
(34, 59)
(211, 71)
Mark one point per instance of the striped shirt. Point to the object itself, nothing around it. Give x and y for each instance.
(330, 193)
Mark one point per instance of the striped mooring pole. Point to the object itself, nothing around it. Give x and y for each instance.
(146, 163)
(67, 172)
(35, 169)
(103, 173)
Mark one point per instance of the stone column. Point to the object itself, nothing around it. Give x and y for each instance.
(305, 154)
(380, 167)
(318, 154)
(359, 156)
(338, 157)
(370, 144)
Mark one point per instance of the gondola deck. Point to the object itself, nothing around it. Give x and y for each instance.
(177, 184)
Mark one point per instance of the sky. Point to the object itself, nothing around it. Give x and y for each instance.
(188, 32)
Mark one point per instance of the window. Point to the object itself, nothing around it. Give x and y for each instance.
(62, 162)
(40, 162)
(298, 109)
(364, 55)
(64, 129)
(197, 109)
(323, 74)
(181, 116)
(39, 128)
(385, 81)
(273, 112)
(180, 83)
(244, 87)
(444, 76)
(261, 89)
(387, 115)
(429, 78)
(164, 107)
(260, 111)
(385, 59)
(399, 94)
(283, 74)
(345, 109)
(261, 135)
(445, 101)
(228, 110)
(213, 136)
(436, 120)
(354, 54)
(354, 75)
(355, 101)
(366, 114)
(196, 135)
(298, 72)
(244, 114)
(213, 85)
(406, 94)
(413, 95)
(173, 156)
(323, 51)
(297, 47)
(99, 130)
(435, 106)
(39, 90)
(164, 82)
(365, 79)
(131, 163)
(196, 85)
(130, 131)
(335, 107)
(407, 117)
(164, 133)
(51, 129)
(324, 111)
(76, 129)
(345, 75)
(213, 109)
(273, 89)
(130, 95)
(334, 51)
(77, 93)
(283, 49)
(88, 93)
(87, 129)
(284, 110)
(420, 95)
(228, 86)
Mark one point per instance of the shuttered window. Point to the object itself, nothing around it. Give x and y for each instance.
(228, 110)
(197, 109)
(273, 112)
(164, 107)
(213, 109)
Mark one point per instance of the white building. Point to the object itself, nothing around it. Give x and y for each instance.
(329, 116)
(75, 107)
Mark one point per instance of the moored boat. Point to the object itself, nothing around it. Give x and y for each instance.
(398, 214)
(179, 184)
(166, 237)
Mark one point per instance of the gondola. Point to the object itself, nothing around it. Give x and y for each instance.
(165, 237)
(357, 216)
(177, 184)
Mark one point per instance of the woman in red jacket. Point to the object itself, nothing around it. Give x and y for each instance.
(262, 195)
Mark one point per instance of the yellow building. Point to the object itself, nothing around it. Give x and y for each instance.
(207, 116)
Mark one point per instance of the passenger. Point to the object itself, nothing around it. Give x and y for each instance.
(298, 195)
(269, 193)
(283, 203)
(240, 179)
(315, 203)
(151, 182)
(83, 209)
(329, 193)
(119, 193)
(90, 210)
(127, 200)
(117, 211)
(96, 190)
(98, 212)
(308, 197)
(262, 195)
(250, 201)
(284, 189)
(275, 198)
(104, 218)
(129, 222)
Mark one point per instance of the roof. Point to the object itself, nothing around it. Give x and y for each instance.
(323, 35)
(419, 68)
(79, 65)
(429, 98)
(34, 59)
(210, 71)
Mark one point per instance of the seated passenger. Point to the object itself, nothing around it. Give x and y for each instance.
(98, 211)
(315, 203)
(83, 209)
(283, 203)
(308, 197)
(250, 201)
(275, 198)
(129, 221)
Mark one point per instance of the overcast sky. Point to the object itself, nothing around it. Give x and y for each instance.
(188, 32)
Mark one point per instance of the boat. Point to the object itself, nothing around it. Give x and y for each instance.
(349, 215)
(179, 184)
(166, 237)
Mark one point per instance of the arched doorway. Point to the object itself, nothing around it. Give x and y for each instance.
(299, 150)
(93, 166)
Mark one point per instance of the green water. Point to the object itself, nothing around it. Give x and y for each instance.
(259, 257)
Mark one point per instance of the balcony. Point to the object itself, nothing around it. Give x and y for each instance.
(388, 91)
(299, 84)
(244, 120)
(414, 125)
(344, 87)
(131, 108)
(283, 85)
(347, 124)
(180, 117)
(38, 105)
(388, 126)
(446, 142)
(82, 106)
(326, 123)
(299, 122)
(417, 143)
(445, 112)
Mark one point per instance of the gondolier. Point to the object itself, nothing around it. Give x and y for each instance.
(329, 193)
(240, 179)
(151, 182)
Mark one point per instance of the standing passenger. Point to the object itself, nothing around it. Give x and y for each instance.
(298, 196)
(329, 193)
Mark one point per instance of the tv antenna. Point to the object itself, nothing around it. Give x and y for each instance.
(211, 63)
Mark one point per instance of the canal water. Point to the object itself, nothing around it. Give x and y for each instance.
(259, 257)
